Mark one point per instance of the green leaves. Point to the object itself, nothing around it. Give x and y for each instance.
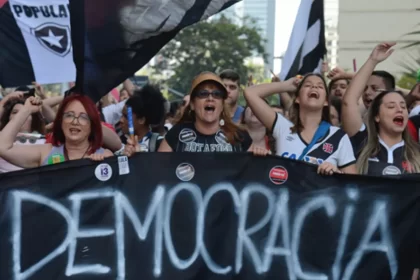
(211, 46)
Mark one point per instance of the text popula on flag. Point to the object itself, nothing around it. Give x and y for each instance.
(36, 42)
(205, 216)
(113, 39)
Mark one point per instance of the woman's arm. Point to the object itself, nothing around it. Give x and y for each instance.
(164, 147)
(111, 139)
(255, 97)
(21, 155)
(351, 119)
(351, 169)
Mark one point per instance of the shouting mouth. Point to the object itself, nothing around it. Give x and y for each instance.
(399, 120)
(368, 102)
(209, 108)
(313, 95)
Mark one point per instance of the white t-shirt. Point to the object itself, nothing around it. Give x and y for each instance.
(113, 113)
(334, 148)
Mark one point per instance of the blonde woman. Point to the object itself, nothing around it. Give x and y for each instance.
(388, 147)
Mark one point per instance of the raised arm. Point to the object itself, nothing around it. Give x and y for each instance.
(111, 139)
(255, 97)
(25, 156)
(352, 120)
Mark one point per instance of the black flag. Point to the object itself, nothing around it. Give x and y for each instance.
(112, 39)
(306, 48)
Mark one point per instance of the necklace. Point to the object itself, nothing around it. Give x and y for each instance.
(66, 155)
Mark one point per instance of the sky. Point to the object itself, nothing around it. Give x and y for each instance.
(286, 11)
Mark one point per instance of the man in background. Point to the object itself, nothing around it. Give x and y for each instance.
(232, 82)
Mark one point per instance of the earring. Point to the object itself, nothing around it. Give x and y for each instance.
(222, 122)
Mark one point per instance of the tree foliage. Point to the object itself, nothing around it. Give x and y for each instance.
(407, 81)
(210, 46)
(412, 62)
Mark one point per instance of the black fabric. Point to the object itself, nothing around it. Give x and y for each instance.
(358, 141)
(107, 51)
(382, 163)
(186, 138)
(307, 216)
(311, 60)
(15, 63)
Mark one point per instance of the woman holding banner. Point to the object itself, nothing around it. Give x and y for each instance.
(309, 135)
(386, 145)
(77, 134)
(206, 124)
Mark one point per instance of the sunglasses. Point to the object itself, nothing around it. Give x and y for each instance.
(203, 94)
(24, 140)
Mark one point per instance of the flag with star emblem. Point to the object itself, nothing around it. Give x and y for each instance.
(35, 42)
(113, 39)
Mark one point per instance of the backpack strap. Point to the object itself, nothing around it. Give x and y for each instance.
(153, 141)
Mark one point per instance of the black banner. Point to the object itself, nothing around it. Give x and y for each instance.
(205, 216)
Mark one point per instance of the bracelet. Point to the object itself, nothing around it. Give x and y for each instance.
(120, 152)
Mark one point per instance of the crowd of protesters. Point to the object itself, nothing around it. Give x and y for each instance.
(354, 123)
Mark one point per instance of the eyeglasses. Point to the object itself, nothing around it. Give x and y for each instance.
(217, 94)
(82, 119)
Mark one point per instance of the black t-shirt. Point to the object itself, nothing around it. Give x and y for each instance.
(186, 138)
(389, 161)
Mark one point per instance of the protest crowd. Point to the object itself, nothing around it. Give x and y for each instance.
(335, 121)
(353, 123)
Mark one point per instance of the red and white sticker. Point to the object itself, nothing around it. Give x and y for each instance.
(278, 175)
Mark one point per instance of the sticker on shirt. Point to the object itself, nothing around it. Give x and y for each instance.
(278, 175)
(56, 158)
(187, 135)
(103, 172)
(220, 137)
(185, 172)
(391, 170)
(328, 148)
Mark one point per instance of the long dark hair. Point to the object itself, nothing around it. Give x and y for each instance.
(294, 113)
(38, 123)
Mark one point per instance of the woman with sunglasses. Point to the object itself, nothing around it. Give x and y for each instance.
(206, 124)
(31, 132)
(309, 135)
(77, 134)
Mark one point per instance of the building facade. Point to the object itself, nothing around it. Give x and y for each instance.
(331, 11)
(264, 13)
(364, 24)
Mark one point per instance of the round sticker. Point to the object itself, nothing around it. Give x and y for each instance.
(391, 170)
(220, 137)
(187, 135)
(278, 175)
(185, 172)
(103, 172)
